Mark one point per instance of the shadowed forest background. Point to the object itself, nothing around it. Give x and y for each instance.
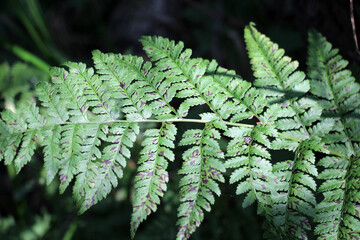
(35, 34)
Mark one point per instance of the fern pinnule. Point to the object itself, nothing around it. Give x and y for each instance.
(234, 97)
(11, 127)
(157, 90)
(71, 93)
(107, 169)
(52, 152)
(201, 168)
(53, 106)
(192, 87)
(152, 177)
(71, 139)
(117, 80)
(94, 91)
(274, 72)
(248, 154)
(93, 135)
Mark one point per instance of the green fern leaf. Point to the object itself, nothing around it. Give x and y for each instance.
(90, 118)
(152, 177)
(201, 167)
(103, 174)
(121, 86)
(93, 91)
(274, 72)
(71, 92)
(53, 106)
(338, 94)
(52, 150)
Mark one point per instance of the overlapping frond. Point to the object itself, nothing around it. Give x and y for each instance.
(298, 118)
(338, 213)
(231, 95)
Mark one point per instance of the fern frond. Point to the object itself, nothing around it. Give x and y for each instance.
(201, 167)
(52, 152)
(71, 93)
(90, 119)
(104, 172)
(122, 87)
(274, 72)
(233, 97)
(94, 91)
(195, 89)
(297, 119)
(151, 180)
(53, 106)
(338, 94)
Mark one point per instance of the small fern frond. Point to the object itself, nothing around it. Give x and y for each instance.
(121, 86)
(104, 171)
(180, 67)
(233, 96)
(201, 168)
(53, 106)
(338, 93)
(71, 139)
(94, 91)
(274, 72)
(151, 180)
(52, 152)
(71, 93)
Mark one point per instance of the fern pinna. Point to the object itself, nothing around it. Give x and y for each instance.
(90, 118)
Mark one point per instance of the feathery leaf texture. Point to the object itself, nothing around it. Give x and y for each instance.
(89, 119)
(202, 166)
(337, 92)
(152, 176)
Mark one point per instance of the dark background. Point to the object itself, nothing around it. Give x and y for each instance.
(58, 31)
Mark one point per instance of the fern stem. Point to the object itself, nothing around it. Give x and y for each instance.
(189, 120)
